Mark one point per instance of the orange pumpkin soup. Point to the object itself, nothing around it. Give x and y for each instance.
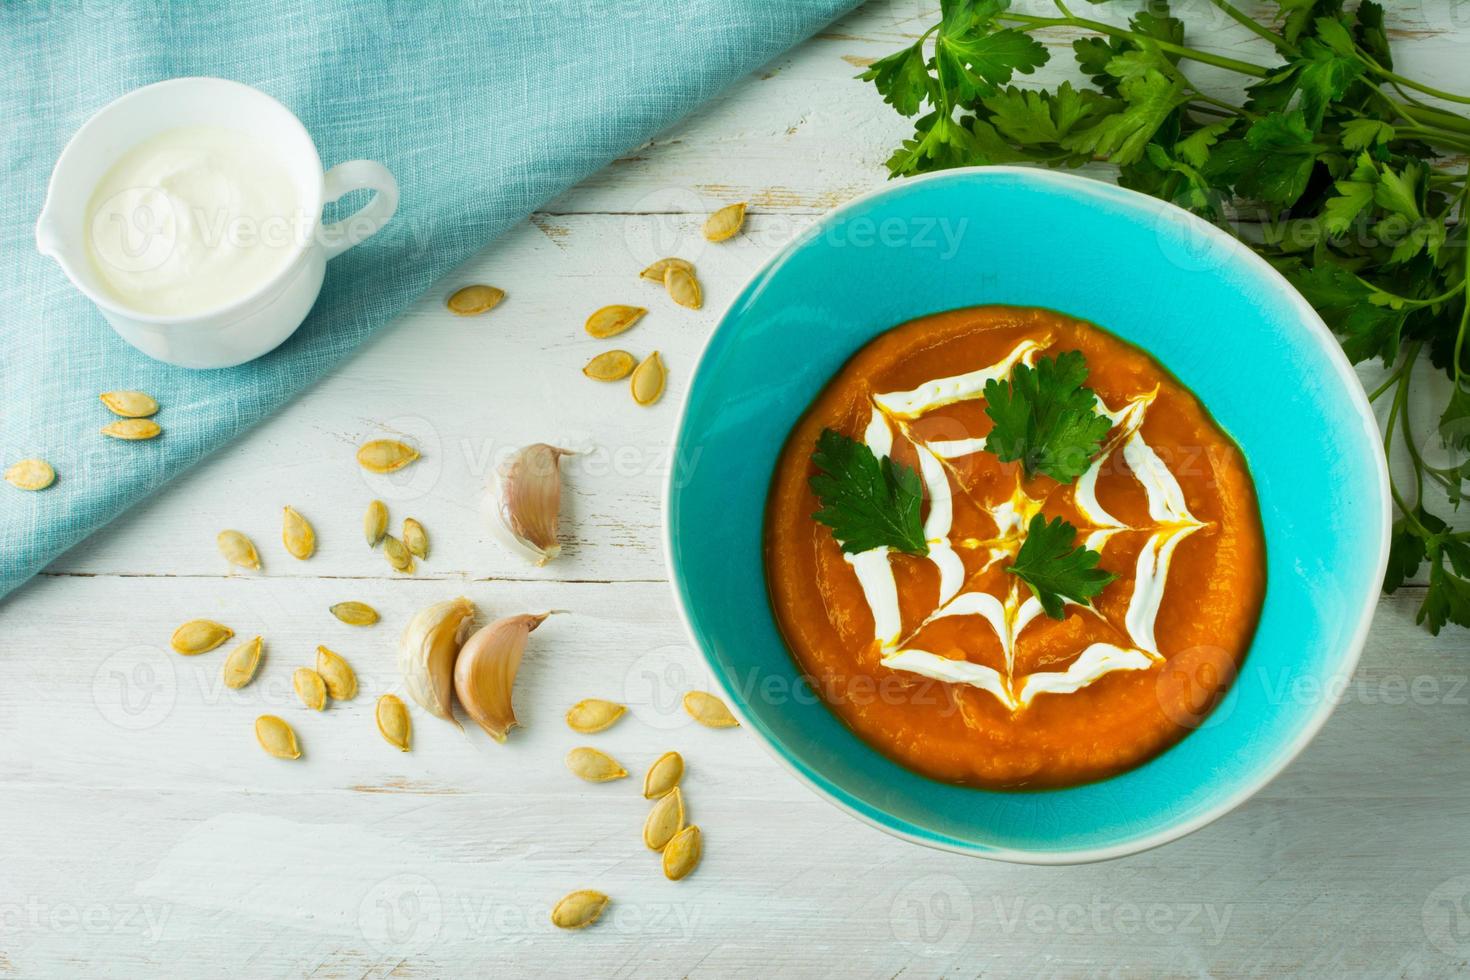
(944, 657)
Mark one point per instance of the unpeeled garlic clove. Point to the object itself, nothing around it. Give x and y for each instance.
(485, 673)
(427, 650)
(528, 497)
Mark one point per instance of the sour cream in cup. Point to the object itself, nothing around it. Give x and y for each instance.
(190, 212)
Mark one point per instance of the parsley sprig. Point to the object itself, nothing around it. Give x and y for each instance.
(1056, 568)
(867, 502)
(1336, 153)
(1046, 418)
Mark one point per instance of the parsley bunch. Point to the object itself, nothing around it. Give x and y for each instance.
(1335, 153)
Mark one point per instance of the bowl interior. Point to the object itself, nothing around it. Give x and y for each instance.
(1217, 316)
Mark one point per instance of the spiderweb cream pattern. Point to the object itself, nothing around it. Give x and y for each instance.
(1008, 615)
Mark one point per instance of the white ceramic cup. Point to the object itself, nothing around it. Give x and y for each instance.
(247, 327)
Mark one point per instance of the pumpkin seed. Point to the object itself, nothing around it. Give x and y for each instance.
(241, 664)
(709, 710)
(129, 404)
(613, 320)
(238, 549)
(579, 909)
(663, 776)
(297, 534)
(593, 715)
(276, 737)
(683, 287)
(415, 538)
(337, 674)
(30, 474)
(725, 223)
(594, 766)
(385, 455)
(612, 365)
(375, 523)
(310, 688)
(397, 554)
(648, 380)
(474, 300)
(355, 613)
(682, 854)
(656, 271)
(131, 429)
(199, 636)
(393, 723)
(664, 821)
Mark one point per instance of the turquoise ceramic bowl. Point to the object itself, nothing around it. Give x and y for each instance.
(1210, 310)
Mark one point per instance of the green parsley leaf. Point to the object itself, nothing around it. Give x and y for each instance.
(902, 78)
(975, 65)
(1272, 163)
(1121, 137)
(1324, 76)
(1359, 134)
(867, 502)
(1448, 598)
(1405, 555)
(1054, 569)
(1353, 195)
(1367, 328)
(1046, 418)
(1029, 116)
(1370, 34)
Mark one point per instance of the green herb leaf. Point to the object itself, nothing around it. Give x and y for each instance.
(1272, 163)
(867, 502)
(1121, 137)
(902, 78)
(1055, 570)
(1046, 418)
(1353, 195)
(973, 65)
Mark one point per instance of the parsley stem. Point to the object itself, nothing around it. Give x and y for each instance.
(1401, 399)
(1280, 43)
(1193, 54)
(1426, 116)
(1464, 318)
(1437, 138)
(1388, 383)
(1226, 110)
(1398, 79)
(1400, 407)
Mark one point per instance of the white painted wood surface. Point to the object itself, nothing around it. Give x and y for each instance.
(142, 833)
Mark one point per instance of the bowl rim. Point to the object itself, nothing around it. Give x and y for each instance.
(1076, 186)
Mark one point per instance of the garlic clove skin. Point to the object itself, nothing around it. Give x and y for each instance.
(427, 650)
(528, 499)
(485, 673)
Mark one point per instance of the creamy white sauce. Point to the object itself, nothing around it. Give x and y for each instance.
(1008, 617)
(961, 387)
(193, 218)
(1092, 664)
(955, 448)
(928, 664)
(875, 576)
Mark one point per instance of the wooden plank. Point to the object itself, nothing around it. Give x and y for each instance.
(135, 797)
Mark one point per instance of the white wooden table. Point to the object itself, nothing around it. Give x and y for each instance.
(143, 833)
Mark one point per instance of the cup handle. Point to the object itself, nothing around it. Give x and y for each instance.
(354, 175)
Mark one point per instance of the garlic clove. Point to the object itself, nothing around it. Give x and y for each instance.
(485, 673)
(527, 499)
(427, 651)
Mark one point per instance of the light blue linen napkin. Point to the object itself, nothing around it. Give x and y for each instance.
(482, 109)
